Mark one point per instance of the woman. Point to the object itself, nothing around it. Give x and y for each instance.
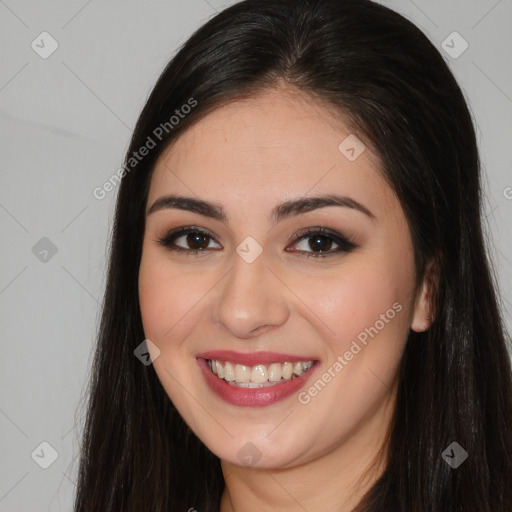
(298, 250)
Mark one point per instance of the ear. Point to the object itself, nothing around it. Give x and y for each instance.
(424, 306)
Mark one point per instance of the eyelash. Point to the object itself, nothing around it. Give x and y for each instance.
(345, 245)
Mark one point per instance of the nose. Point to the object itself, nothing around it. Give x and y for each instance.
(251, 300)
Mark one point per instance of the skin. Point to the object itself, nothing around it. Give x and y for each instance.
(248, 156)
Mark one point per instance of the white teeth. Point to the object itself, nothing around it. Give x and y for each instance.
(260, 375)
(274, 372)
(287, 370)
(229, 372)
(297, 369)
(220, 370)
(242, 373)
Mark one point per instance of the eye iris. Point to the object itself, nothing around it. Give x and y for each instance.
(195, 238)
(321, 242)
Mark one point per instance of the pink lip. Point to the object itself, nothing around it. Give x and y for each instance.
(253, 358)
(252, 397)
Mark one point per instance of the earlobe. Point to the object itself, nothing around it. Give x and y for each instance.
(424, 307)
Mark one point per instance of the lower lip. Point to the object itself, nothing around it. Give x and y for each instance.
(252, 397)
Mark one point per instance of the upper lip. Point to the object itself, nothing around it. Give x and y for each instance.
(253, 358)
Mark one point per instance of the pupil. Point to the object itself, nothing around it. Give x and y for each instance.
(195, 239)
(318, 240)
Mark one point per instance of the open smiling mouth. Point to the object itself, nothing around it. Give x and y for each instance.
(258, 376)
(257, 379)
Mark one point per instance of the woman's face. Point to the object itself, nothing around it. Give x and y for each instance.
(257, 295)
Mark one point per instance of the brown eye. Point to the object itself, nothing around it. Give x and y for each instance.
(197, 240)
(194, 240)
(320, 241)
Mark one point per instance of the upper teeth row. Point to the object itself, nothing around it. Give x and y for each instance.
(259, 373)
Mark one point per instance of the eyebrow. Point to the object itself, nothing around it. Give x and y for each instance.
(280, 212)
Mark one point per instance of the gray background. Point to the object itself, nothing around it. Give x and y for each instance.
(65, 123)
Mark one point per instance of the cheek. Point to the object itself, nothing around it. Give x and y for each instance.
(154, 299)
(167, 297)
(367, 308)
(365, 298)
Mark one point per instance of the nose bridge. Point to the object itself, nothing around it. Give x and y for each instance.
(251, 298)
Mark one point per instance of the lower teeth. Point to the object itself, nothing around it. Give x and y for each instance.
(255, 385)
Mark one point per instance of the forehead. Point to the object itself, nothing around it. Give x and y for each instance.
(279, 144)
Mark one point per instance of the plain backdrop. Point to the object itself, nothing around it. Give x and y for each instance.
(65, 122)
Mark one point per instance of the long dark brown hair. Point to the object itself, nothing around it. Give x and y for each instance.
(384, 76)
